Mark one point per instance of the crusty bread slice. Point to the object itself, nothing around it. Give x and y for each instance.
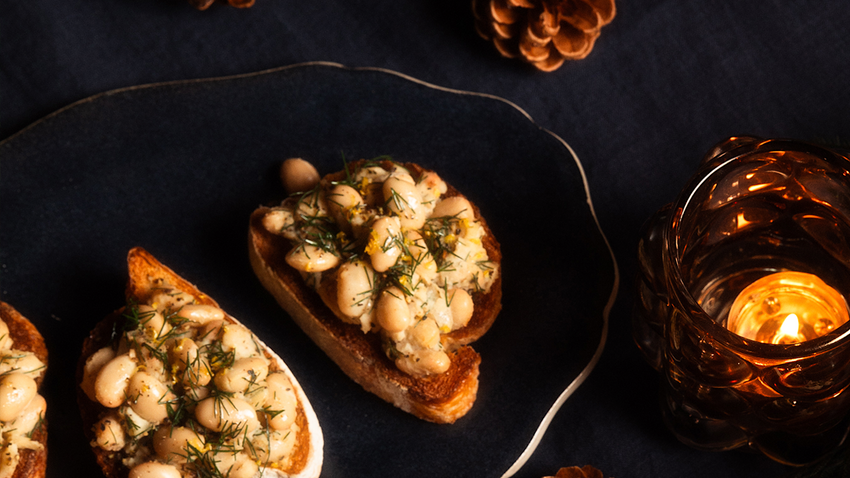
(33, 463)
(144, 269)
(440, 398)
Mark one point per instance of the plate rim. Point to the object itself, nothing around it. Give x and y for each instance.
(543, 426)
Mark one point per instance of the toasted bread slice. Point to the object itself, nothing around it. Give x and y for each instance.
(440, 398)
(25, 337)
(146, 274)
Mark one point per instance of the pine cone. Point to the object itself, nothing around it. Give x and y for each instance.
(204, 4)
(542, 32)
(586, 471)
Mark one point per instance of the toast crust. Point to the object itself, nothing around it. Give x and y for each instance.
(33, 463)
(144, 269)
(440, 398)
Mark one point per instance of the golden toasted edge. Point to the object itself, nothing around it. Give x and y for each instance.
(143, 268)
(33, 463)
(441, 398)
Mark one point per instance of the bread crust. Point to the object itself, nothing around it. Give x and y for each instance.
(440, 398)
(33, 463)
(143, 270)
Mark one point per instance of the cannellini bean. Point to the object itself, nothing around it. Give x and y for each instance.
(341, 200)
(93, 365)
(5, 339)
(273, 446)
(461, 305)
(209, 332)
(139, 426)
(354, 288)
(109, 434)
(280, 221)
(149, 397)
(281, 400)
(426, 267)
(393, 311)
(310, 205)
(424, 362)
(432, 184)
(298, 175)
(404, 199)
(16, 392)
(112, 381)
(456, 206)
(21, 361)
(244, 373)
(31, 416)
(310, 258)
(154, 469)
(201, 313)
(244, 468)
(172, 443)
(425, 333)
(240, 340)
(152, 322)
(218, 413)
(383, 247)
(169, 298)
(191, 366)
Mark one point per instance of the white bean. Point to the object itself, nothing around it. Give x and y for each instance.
(152, 322)
(201, 313)
(244, 373)
(403, 198)
(93, 365)
(169, 298)
(240, 340)
(341, 201)
(31, 416)
(393, 311)
(309, 258)
(455, 206)
(172, 443)
(154, 469)
(426, 267)
(354, 288)
(461, 305)
(110, 387)
(149, 397)
(425, 333)
(244, 468)
(383, 247)
(424, 362)
(280, 221)
(431, 185)
(219, 413)
(21, 361)
(298, 175)
(109, 434)
(16, 392)
(281, 400)
(191, 367)
(273, 446)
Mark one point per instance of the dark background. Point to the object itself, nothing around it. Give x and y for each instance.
(666, 81)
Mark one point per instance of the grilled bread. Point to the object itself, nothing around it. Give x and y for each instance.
(24, 361)
(171, 384)
(374, 351)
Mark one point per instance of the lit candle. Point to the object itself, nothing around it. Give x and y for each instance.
(787, 308)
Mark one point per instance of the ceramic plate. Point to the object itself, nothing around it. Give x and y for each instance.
(177, 168)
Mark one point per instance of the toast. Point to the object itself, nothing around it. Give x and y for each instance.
(24, 443)
(171, 384)
(358, 345)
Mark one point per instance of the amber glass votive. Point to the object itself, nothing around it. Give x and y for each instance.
(742, 301)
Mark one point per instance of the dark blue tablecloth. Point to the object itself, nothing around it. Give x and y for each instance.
(666, 80)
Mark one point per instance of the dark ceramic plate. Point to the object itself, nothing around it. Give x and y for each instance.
(177, 168)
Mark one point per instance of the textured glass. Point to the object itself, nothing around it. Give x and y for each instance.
(754, 208)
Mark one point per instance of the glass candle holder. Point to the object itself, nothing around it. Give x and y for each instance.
(741, 303)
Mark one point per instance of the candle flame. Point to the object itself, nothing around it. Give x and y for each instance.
(790, 326)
